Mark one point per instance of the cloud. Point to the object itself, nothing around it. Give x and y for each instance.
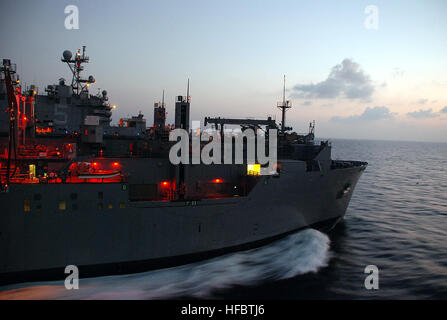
(307, 103)
(422, 101)
(345, 80)
(370, 114)
(423, 114)
(443, 110)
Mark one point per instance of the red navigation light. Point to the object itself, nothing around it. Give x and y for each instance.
(165, 184)
(116, 164)
(95, 164)
(217, 180)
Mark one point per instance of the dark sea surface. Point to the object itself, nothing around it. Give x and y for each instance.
(397, 221)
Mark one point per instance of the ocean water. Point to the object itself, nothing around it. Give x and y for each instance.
(397, 221)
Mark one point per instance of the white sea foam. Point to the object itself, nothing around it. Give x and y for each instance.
(299, 253)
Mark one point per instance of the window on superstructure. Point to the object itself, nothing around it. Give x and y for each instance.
(27, 205)
(62, 205)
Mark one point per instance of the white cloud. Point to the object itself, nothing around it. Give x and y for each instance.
(346, 80)
(370, 114)
(423, 114)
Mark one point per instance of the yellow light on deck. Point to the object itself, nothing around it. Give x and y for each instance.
(32, 171)
(253, 169)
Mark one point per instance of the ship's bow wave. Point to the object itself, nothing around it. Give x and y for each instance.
(302, 252)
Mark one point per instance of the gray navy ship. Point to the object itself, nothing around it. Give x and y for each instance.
(77, 190)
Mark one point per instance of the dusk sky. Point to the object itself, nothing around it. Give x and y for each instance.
(388, 82)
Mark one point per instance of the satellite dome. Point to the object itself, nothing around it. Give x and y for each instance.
(67, 55)
(91, 79)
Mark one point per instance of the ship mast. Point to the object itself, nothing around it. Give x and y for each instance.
(284, 105)
(78, 84)
(9, 70)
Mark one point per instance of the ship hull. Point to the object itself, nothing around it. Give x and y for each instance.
(111, 235)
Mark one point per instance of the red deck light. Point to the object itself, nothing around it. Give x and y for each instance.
(165, 184)
(116, 164)
(217, 180)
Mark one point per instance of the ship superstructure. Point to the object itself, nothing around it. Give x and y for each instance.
(77, 190)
